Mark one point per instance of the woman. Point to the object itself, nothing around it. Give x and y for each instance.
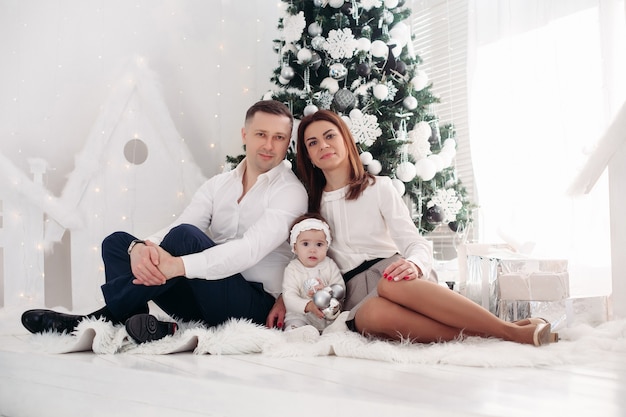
(387, 265)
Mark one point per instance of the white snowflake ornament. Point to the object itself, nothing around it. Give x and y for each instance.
(449, 202)
(340, 43)
(364, 127)
(293, 26)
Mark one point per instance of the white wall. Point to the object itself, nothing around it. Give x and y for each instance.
(60, 59)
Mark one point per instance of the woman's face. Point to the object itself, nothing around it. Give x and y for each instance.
(325, 146)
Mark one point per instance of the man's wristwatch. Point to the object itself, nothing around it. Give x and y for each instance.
(133, 243)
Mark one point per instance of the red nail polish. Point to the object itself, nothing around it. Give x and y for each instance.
(389, 278)
(280, 325)
(406, 278)
(385, 275)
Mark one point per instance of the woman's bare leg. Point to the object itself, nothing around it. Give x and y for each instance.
(383, 318)
(452, 309)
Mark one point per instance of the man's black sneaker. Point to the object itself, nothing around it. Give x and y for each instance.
(146, 328)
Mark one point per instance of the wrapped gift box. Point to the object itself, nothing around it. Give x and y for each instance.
(504, 281)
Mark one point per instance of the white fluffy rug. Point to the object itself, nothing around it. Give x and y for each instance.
(579, 344)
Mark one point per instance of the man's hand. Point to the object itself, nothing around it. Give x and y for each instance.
(276, 316)
(152, 265)
(144, 261)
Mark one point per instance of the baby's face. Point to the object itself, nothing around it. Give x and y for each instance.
(311, 247)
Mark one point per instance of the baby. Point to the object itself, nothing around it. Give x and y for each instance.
(313, 287)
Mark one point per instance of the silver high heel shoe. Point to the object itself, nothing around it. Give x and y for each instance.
(554, 337)
(542, 334)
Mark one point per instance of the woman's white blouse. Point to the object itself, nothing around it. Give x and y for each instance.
(375, 225)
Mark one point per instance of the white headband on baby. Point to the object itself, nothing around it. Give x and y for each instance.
(308, 224)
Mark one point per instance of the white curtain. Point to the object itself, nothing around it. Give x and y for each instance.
(545, 80)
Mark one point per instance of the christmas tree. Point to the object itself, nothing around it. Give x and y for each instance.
(356, 57)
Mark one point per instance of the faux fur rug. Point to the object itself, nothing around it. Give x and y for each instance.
(579, 344)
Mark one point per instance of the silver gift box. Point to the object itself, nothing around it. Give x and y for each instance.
(506, 282)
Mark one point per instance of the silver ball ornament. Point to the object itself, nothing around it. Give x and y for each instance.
(316, 61)
(317, 43)
(410, 103)
(332, 311)
(338, 71)
(322, 299)
(338, 291)
(287, 72)
(344, 99)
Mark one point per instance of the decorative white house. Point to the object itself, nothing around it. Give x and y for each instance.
(135, 174)
(28, 212)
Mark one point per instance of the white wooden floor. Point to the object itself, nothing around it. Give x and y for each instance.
(85, 384)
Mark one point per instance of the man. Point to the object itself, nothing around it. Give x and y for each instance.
(224, 256)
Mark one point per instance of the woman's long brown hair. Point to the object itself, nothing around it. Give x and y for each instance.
(313, 177)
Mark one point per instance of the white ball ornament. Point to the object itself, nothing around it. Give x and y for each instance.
(310, 109)
(397, 49)
(420, 80)
(410, 103)
(374, 167)
(437, 161)
(304, 55)
(283, 80)
(401, 32)
(336, 4)
(366, 158)
(355, 113)
(330, 84)
(380, 91)
(406, 171)
(422, 131)
(446, 159)
(399, 186)
(449, 143)
(315, 29)
(425, 169)
(379, 49)
(391, 4)
(268, 95)
(363, 44)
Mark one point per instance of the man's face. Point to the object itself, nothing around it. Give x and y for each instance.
(266, 137)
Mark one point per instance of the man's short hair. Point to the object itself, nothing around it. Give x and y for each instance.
(271, 107)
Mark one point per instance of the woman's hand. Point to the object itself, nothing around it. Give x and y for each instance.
(276, 316)
(402, 270)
